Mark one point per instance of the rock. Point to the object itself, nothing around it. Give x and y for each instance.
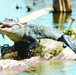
(17, 51)
(50, 48)
(66, 53)
(50, 44)
(44, 48)
(11, 64)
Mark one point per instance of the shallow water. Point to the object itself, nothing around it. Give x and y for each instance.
(59, 21)
(54, 68)
(49, 68)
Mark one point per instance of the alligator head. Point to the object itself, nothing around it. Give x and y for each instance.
(13, 29)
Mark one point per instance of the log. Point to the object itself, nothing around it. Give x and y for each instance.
(35, 15)
(58, 6)
(62, 6)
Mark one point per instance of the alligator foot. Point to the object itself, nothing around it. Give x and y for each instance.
(69, 42)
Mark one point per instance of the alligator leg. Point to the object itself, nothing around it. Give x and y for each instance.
(33, 41)
(69, 42)
(59, 36)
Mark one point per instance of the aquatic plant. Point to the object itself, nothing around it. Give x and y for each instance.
(67, 32)
(70, 33)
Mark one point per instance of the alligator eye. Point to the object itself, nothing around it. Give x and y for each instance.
(11, 19)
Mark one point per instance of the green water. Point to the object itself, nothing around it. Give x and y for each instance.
(59, 21)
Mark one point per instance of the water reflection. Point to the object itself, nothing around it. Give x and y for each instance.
(65, 67)
(58, 68)
(60, 19)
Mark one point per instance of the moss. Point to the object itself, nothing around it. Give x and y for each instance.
(40, 37)
(12, 55)
(37, 50)
(51, 56)
(74, 59)
(55, 52)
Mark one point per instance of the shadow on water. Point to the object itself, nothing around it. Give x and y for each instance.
(59, 19)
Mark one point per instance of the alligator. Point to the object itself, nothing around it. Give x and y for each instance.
(17, 31)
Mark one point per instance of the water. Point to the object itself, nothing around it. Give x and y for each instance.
(55, 68)
(57, 21)
(49, 68)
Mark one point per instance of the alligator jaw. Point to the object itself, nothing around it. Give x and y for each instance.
(5, 26)
(11, 29)
(7, 23)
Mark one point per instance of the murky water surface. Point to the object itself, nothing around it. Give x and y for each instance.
(59, 21)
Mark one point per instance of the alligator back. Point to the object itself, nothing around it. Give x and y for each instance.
(42, 31)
